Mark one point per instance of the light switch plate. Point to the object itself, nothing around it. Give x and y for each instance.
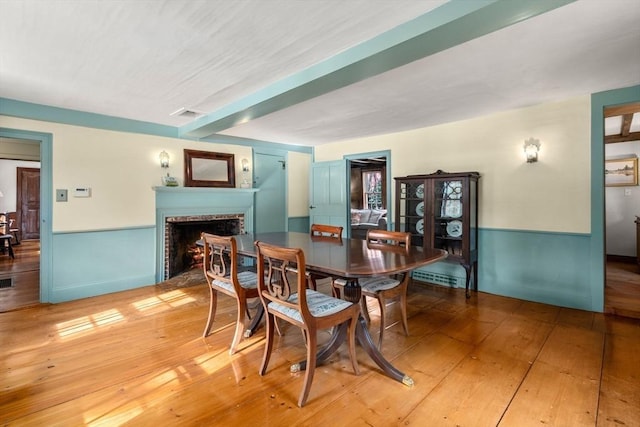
(61, 195)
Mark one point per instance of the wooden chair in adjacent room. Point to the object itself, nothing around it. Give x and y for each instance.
(324, 232)
(384, 288)
(5, 236)
(14, 229)
(284, 294)
(221, 269)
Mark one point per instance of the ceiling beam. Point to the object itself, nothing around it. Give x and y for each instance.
(631, 136)
(622, 109)
(451, 24)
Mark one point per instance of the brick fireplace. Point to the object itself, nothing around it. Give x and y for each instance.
(182, 232)
(182, 213)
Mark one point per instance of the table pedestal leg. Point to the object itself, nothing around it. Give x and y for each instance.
(338, 336)
(255, 322)
(352, 293)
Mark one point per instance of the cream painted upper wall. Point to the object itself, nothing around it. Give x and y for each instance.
(120, 168)
(550, 195)
(19, 149)
(298, 169)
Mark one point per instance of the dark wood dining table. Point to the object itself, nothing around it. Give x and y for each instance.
(349, 259)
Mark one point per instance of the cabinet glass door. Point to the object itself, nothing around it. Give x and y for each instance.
(448, 210)
(412, 210)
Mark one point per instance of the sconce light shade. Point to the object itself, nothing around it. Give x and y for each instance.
(1, 195)
(531, 148)
(164, 159)
(245, 165)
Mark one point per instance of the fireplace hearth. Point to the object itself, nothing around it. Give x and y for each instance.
(182, 233)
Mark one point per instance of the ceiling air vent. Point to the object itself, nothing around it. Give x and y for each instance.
(187, 113)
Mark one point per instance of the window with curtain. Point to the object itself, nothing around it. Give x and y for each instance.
(372, 189)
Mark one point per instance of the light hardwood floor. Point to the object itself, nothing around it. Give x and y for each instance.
(137, 358)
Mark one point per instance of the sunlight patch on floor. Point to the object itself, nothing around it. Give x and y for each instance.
(120, 411)
(163, 301)
(81, 325)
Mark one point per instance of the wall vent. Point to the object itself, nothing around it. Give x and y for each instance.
(6, 283)
(438, 278)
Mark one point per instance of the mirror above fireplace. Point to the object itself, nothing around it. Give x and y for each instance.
(209, 169)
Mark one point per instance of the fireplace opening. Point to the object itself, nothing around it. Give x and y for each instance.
(181, 234)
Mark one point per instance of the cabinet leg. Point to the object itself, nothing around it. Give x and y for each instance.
(467, 270)
(475, 276)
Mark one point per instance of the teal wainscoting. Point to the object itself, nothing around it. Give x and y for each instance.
(299, 224)
(100, 262)
(551, 268)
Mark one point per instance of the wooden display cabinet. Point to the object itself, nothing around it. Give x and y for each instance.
(440, 210)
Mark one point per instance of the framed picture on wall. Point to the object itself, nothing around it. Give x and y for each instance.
(621, 172)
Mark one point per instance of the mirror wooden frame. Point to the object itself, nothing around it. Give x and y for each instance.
(209, 169)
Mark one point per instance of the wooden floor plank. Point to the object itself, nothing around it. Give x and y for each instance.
(563, 384)
(619, 393)
(552, 397)
(479, 389)
(137, 358)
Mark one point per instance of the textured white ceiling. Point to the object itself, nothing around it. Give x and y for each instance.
(144, 59)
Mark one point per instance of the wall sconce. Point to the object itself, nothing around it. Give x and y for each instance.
(245, 172)
(531, 148)
(168, 180)
(164, 159)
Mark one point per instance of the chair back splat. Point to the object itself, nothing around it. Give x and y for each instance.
(284, 295)
(222, 271)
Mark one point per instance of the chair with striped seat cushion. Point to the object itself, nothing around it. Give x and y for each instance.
(284, 294)
(221, 267)
(384, 288)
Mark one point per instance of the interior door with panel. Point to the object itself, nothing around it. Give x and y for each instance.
(270, 177)
(28, 202)
(328, 196)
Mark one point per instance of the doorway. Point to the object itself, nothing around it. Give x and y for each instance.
(622, 206)
(370, 192)
(20, 204)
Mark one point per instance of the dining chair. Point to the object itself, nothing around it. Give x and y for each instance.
(384, 288)
(14, 229)
(323, 231)
(285, 296)
(221, 269)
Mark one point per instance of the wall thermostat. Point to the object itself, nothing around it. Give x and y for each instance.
(82, 192)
